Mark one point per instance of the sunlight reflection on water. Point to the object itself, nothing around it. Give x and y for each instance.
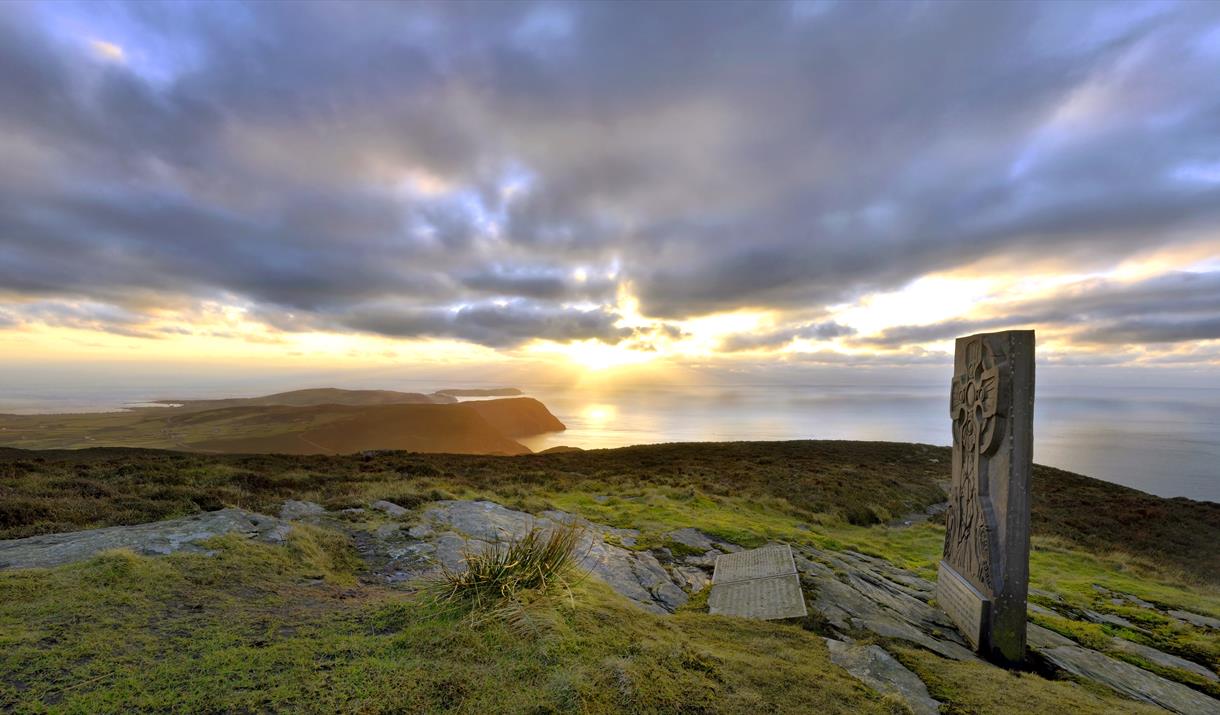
(1166, 442)
(1161, 440)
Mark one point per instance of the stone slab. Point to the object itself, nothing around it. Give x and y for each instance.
(763, 598)
(692, 538)
(774, 560)
(1038, 637)
(877, 669)
(1161, 658)
(294, 509)
(1109, 618)
(757, 583)
(964, 604)
(1130, 681)
(1197, 620)
(153, 539)
(390, 508)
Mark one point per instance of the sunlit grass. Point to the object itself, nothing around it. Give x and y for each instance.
(244, 632)
(513, 581)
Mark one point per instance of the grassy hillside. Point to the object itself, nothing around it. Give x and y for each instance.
(261, 628)
(273, 628)
(516, 417)
(855, 483)
(459, 429)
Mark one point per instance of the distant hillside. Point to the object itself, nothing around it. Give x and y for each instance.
(317, 396)
(476, 392)
(455, 429)
(517, 417)
(323, 421)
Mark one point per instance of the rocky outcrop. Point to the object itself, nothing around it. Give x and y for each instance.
(158, 538)
(446, 530)
(854, 593)
(1197, 620)
(1165, 660)
(390, 508)
(877, 669)
(293, 509)
(696, 540)
(859, 593)
(1129, 680)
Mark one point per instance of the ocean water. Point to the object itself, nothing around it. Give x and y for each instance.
(1165, 441)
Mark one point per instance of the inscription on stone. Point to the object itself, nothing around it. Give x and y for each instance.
(759, 583)
(764, 598)
(986, 554)
(965, 605)
(773, 560)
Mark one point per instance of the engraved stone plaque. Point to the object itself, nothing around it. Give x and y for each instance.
(759, 583)
(984, 573)
(968, 608)
(764, 598)
(774, 560)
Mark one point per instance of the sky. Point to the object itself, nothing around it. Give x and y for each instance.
(618, 189)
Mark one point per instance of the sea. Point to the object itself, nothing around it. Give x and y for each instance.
(1161, 440)
(1165, 441)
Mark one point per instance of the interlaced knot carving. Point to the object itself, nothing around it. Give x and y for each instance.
(978, 426)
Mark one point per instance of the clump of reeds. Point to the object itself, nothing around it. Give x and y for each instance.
(510, 582)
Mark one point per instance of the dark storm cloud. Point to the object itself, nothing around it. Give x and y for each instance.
(1172, 308)
(318, 162)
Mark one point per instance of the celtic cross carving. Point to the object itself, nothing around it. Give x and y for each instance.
(975, 406)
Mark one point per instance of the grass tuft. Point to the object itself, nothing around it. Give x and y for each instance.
(513, 583)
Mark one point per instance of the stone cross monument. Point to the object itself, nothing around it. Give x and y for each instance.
(984, 573)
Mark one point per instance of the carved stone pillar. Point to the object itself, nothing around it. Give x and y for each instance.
(984, 573)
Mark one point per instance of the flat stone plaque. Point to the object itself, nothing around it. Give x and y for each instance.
(759, 583)
(774, 560)
(763, 598)
(963, 603)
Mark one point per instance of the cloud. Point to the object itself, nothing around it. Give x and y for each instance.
(539, 284)
(719, 156)
(911, 356)
(1171, 308)
(778, 338)
(81, 316)
(1155, 331)
(489, 324)
(912, 334)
